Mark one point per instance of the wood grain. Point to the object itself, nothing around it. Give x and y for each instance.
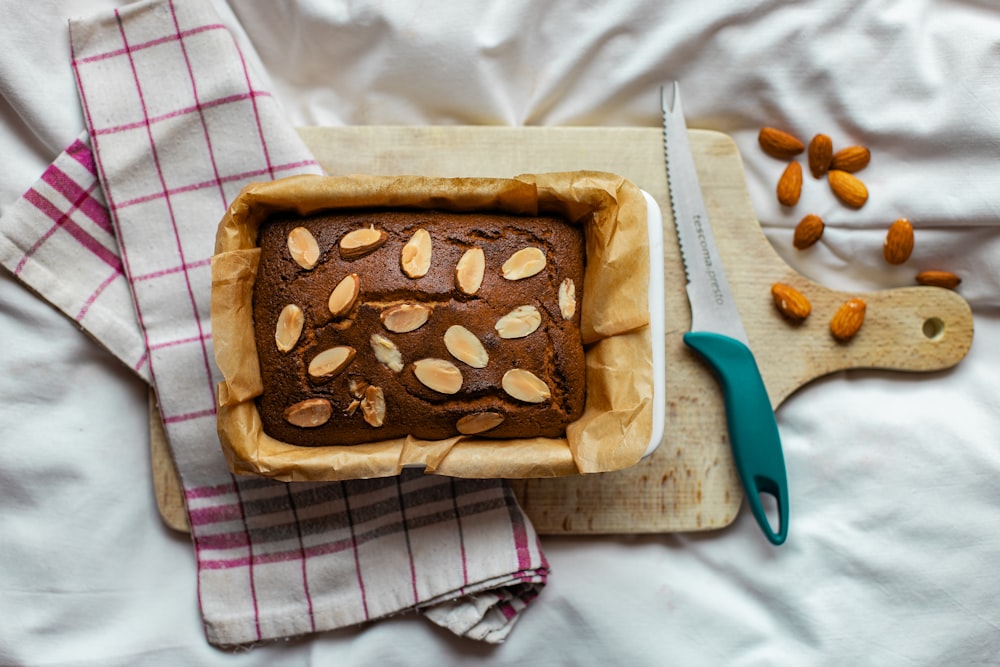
(689, 483)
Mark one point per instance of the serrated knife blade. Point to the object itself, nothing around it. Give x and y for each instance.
(717, 334)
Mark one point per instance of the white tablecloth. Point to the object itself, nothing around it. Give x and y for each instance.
(893, 553)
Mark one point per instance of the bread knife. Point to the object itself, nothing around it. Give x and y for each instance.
(717, 334)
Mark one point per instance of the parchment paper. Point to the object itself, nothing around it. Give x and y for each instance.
(616, 425)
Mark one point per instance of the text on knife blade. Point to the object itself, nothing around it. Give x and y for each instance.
(717, 294)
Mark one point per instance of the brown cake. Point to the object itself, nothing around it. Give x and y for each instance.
(363, 336)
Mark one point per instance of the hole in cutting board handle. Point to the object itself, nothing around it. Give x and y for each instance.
(933, 328)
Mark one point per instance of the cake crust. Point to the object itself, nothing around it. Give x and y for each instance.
(379, 283)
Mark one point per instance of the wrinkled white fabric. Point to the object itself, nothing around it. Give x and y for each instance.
(892, 554)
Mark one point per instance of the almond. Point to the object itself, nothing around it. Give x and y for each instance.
(405, 317)
(386, 352)
(525, 386)
(438, 374)
(289, 327)
(791, 302)
(303, 247)
(352, 407)
(790, 185)
(373, 406)
(478, 422)
(415, 258)
(518, 323)
(344, 295)
(820, 154)
(808, 231)
(360, 242)
(357, 387)
(309, 413)
(524, 263)
(470, 270)
(847, 188)
(779, 144)
(567, 299)
(464, 346)
(847, 321)
(898, 242)
(331, 361)
(851, 159)
(944, 279)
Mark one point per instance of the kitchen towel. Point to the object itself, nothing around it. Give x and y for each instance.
(178, 122)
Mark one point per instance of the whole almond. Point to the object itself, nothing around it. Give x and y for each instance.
(933, 278)
(808, 231)
(898, 242)
(405, 317)
(360, 242)
(847, 321)
(851, 159)
(525, 386)
(820, 154)
(415, 258)
(847, 188)
(309, 413)
(790, 302)
(524, 263)
(331, 361)
(478, 422)
(344, 295)
(438, 374)
(470, 270)
(303, 247)
(289, 327)
(790, 185)
(779, 144)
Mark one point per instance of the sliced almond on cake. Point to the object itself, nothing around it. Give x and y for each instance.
(567, 299)
(373, 406)
(331, 361)
(524, 263)
(405, 317)
(525, 386)
(470, 270)
(518, 323)
(479, 422)
(386, 352)
(362, 241)
(438, 374)
(344, 295)
(303, 247)
(357, 387)
(415, 258)
(465, 346)
(309, 413)
(289, 327)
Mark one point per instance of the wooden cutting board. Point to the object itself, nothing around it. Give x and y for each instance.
(689, 483)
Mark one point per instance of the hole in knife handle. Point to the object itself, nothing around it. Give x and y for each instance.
(769, 503)
(933, 328)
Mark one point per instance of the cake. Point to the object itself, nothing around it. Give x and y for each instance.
(378, 324)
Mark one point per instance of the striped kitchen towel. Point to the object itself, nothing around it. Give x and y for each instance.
(178, 121)
(58, 239)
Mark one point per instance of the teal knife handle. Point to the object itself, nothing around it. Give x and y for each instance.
(753, 431)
